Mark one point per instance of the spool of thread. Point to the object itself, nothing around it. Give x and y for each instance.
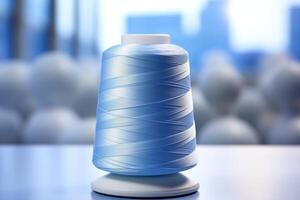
(145, 124)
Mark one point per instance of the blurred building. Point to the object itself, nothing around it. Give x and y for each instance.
(29, 28)
(295, 32)
(214, 33)
(37, 27)
(66, 12)
(7, 28)
(156, 24)
(87, 28)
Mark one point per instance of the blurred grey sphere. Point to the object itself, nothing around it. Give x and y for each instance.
(228, 130)
(202, 110)
(215, 58)
(48, 125)
(265, 123)
(10, 126)
(285, 131)
(14, 87)
(251, 106)
(271, 62)
(283, 87)
(81, 132)
(87, 97)
(54, 80)
(221, 86)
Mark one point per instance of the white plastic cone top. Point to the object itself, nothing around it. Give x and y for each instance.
(146, 39)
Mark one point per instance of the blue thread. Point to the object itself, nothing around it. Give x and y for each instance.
(145, 123)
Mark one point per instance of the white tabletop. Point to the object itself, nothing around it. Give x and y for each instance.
(224, 173)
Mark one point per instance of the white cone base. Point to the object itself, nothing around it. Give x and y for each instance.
(145, 186)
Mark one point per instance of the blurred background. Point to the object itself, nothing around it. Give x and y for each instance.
(244, 59)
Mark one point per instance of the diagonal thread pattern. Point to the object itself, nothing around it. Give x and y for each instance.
(145, 123)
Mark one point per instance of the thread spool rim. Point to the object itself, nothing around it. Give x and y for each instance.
(171, 185)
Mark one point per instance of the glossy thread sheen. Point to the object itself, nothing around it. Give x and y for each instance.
(145, 123)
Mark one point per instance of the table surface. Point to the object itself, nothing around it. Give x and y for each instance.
(224, 172)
